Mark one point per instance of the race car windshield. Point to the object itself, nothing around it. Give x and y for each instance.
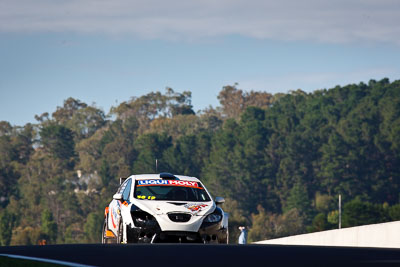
(170, 190)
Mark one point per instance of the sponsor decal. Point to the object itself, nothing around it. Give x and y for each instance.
(106, 212)
(115, 212)
(113, 215)
(195, 208)
(109, 234)
(168, 182)
(145, 197)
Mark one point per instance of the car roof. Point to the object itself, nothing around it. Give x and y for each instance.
(157, 176)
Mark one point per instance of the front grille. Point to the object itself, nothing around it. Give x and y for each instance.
(177, 203)
(179, 217)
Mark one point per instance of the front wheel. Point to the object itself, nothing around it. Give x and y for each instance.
(104, 233)
(120, 236)
(225, 238)
(107, 236)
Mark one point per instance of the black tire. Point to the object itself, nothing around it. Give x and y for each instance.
(225, 239)
(103, 236)
(120, 236)
(104, 240)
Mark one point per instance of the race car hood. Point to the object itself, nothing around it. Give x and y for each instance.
(165, 207)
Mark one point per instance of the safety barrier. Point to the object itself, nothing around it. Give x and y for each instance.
(386, 235)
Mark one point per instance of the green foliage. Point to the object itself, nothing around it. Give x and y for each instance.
(25, 236)
(8, 182)
(58, 140)
(236, 219)
(93, 227)
(319, 223)
(154, 105)
(394, 212)
(333, 217)
(279, 160)
(298, 199)
(268, 226)
(234, 101)
(7, 222)
(187, 155)
(151, 147)
(48, 226)
(323, 203)
(357, 212)
(105, 173)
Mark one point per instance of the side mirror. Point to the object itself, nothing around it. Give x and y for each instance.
(117, 196)
(219, 200)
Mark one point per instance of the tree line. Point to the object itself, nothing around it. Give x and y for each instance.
(280, 160)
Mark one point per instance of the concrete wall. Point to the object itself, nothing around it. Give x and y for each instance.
(374, 235)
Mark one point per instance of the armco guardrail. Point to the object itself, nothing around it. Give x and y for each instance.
(386, 235)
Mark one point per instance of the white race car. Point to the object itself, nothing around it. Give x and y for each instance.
(164, 208)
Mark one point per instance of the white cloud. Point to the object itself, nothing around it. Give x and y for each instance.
(338, 21)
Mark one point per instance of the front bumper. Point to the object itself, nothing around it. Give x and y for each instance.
(147, 230)
(213, 233)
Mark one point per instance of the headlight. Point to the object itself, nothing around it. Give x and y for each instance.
(213, 218)
(216, 216)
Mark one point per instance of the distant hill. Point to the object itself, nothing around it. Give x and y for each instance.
(279, 160)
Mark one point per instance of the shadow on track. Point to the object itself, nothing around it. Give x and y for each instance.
(209, 255)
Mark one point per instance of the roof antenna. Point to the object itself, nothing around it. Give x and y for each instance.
(156, 165)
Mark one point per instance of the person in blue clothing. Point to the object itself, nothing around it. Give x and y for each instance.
(243, 235)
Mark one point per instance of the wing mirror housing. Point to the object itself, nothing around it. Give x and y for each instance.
(117, 196)
(219, 200)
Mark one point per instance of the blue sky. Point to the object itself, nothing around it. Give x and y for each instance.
(109, 51)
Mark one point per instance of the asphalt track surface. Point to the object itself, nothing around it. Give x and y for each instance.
(161, 255)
